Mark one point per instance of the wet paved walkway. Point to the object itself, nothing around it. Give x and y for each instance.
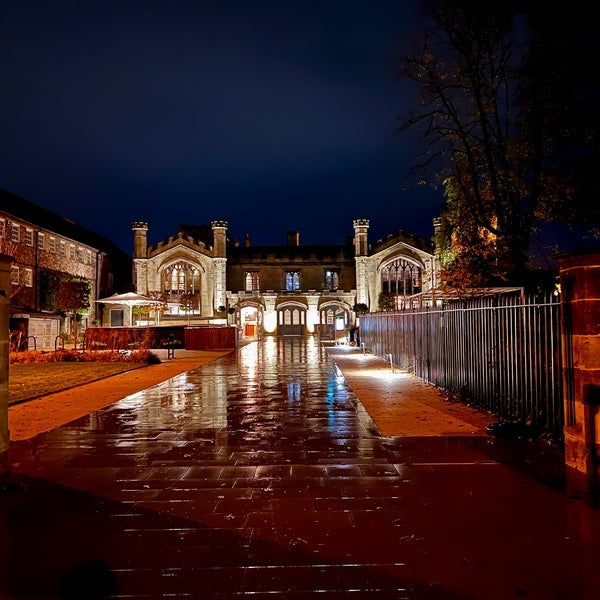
(261, 475)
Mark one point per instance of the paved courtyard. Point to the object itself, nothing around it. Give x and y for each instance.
(262, 475)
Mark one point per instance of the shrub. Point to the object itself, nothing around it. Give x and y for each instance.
(153, 359)
(37, 356)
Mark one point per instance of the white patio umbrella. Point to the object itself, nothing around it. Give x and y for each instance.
(130, 299)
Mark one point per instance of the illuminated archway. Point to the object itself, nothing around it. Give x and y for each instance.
(249, 318)
(334, 320)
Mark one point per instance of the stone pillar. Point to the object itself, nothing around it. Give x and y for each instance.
(220, 261)
(220, 298)
(5, 267)
(361, 252)
(140, 251)
(580, 298)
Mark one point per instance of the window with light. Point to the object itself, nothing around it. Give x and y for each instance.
(292, 280)
(181, 277)
(252, 283)
(401, 278)
(332, 279)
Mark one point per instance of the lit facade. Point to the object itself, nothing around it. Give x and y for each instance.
(289, 289)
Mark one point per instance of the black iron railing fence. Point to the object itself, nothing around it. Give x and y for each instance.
(500, 354)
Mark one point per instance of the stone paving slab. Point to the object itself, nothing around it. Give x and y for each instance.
(261, 474)
(402, 404)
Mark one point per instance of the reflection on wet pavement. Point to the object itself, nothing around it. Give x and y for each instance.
(261, 475)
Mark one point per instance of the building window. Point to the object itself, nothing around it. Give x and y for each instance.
(41, 241)
(52, 244)
(62, 248)
(29, 237)
(28, 277)
(181, 278)
(2, 228)
(252, 281)
(332, 279)
(15, 233)
(89, 257)
(401, 278)
(71, 251)
(79, 253)
(14, 275)
(292, 280)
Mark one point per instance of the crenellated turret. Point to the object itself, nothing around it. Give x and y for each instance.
(361, 244)
(140, 238)
(220, 238)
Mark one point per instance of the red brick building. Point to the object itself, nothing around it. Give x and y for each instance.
(47, 249)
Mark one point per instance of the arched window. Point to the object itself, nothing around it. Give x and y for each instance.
(292, 280)
(181, 278)
(252, 281)
(332, 279)
(401, 278)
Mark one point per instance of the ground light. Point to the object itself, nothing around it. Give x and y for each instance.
(369, 365)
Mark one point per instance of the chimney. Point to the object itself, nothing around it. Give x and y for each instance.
(293, 238)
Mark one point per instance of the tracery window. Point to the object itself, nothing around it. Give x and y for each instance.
(401, 278)
(252, 283)
(180, 278)
(292, 280)
(332, 279)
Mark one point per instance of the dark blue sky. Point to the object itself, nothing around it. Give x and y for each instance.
(272, 115)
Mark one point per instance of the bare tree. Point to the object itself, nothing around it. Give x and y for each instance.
(189, 302)
(490, 125)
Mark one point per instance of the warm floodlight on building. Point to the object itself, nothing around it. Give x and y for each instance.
(270, 322)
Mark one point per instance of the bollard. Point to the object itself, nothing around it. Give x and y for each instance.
(171, 346)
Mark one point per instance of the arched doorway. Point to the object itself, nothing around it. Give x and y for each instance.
(291, 319)
(334, 321)
(250, 319)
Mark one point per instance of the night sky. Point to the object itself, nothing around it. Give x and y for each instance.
(274, 116)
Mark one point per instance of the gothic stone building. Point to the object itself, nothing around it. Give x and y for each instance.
(285, 290)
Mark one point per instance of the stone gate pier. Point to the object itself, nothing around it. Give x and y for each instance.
(580, 292)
